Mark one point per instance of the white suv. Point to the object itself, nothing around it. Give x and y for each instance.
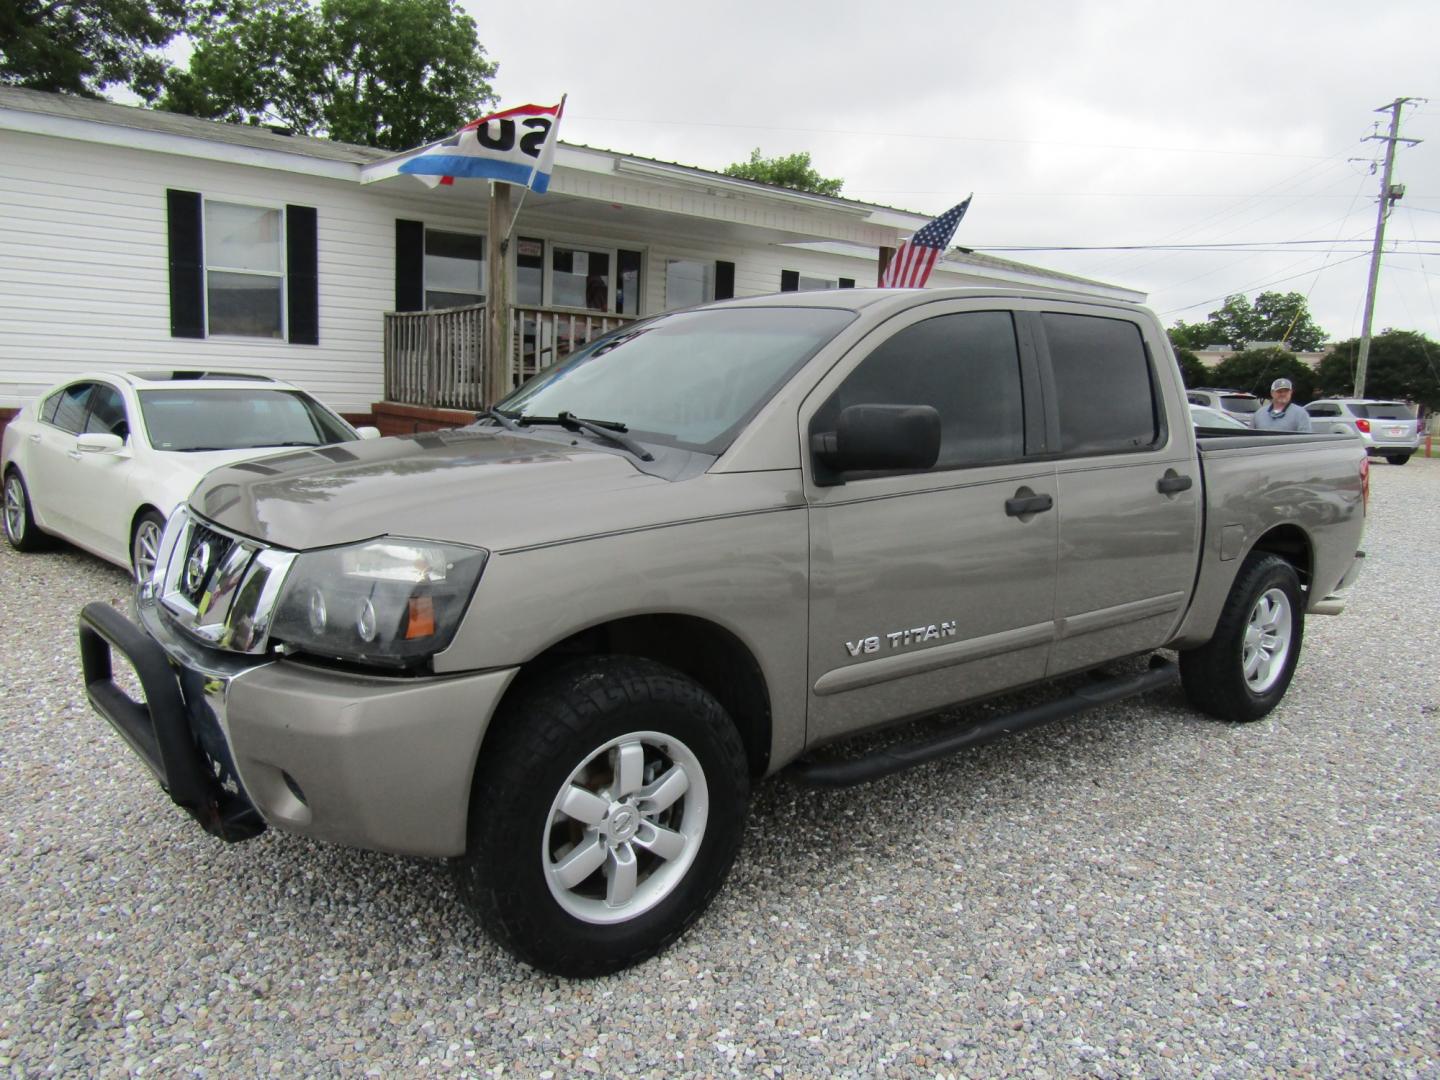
(1389, 428)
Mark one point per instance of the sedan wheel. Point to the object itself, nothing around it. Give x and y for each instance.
(20, 527)
(145, 544)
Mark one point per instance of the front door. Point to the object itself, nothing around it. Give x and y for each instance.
(928, 587)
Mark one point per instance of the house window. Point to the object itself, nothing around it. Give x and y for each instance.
(580, 278)
(454, 269)
(530, 272)
(688, 282)
(244, 270)
(817, 284)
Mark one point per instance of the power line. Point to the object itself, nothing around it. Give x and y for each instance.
(928, 135)
(1262, 285)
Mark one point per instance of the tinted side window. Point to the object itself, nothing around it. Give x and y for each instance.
(1323, 410)
(966, 366)
(47, 410)
(107, 412)
(1103, 385)
(74, 402)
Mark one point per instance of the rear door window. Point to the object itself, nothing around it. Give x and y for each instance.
(967, 366)
(1103, 386)
(73, 404)
(107, 412)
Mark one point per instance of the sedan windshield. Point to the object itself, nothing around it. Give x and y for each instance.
(691, 379)
(237, 419)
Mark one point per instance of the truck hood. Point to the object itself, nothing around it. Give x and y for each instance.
(485, 488)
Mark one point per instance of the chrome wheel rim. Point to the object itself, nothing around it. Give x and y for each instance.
(625, 827)
(1268, 636)
(14, 509)
(146, 550)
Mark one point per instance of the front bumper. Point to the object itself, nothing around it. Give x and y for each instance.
(241, 742)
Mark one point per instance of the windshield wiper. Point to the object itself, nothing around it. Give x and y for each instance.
(609, 430)
(499, 417)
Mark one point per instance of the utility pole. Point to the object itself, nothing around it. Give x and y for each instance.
(1389, 193)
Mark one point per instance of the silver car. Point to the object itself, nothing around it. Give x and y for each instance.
(1390, 429)
(1240, 404)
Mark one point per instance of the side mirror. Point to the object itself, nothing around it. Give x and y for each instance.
(368, 432)
(98, 442)
(880, 438)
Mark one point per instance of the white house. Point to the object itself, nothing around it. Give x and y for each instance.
(133, 239)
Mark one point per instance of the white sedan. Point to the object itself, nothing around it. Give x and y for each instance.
(102, 460)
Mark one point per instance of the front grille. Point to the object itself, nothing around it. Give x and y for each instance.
(204, 554)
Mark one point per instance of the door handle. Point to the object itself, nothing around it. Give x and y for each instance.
(35, 438)
(1173, 482)
(1027, 502)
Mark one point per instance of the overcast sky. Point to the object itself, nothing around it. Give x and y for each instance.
(1082, 123)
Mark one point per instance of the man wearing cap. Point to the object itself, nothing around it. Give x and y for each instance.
(1282, 415)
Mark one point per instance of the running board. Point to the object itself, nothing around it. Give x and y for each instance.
(893, 759)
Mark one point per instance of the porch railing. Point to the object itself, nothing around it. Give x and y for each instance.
(437, 359)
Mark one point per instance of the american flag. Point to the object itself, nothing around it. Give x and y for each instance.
(910, 266)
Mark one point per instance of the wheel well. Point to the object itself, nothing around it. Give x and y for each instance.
(1292, 545)
(701, 650)
(141, 511)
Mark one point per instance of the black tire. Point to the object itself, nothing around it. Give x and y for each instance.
(20, 527)
(1397, 459)
(147, 530)
(568, 717)
(1214, 674)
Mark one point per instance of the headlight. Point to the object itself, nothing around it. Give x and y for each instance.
(390, 602)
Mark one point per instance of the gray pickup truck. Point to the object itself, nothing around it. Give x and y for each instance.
(559, 645)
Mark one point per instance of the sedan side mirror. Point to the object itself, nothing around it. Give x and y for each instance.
(880, 438)
(99, 442)
(368, 432)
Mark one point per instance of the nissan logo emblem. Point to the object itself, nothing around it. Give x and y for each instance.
(197, 566)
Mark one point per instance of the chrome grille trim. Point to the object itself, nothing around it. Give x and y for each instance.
(218, 587)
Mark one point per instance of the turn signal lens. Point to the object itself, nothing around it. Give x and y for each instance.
(421, 621)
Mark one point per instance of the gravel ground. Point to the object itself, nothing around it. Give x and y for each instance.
(1135, 892)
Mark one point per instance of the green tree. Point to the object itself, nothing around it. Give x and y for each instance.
(1191, 369)
(1255, 369)
(794, 171)
(1283, 317)
(1402, 364)
(1185, 335)
(390, 73)
(83, 46)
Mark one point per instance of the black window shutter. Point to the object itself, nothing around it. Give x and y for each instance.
(302, 275)
(187, 264)
(847, 283)
(724, 280)
(789, 280)
(409, 265)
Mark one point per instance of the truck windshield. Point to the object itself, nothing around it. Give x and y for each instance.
(691, 379)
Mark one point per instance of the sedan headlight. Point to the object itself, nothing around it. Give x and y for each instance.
(390, 602)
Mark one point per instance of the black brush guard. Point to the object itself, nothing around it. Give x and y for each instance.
(173, 730)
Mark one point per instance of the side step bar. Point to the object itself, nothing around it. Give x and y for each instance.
(893, 759)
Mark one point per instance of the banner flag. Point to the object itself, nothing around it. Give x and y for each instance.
(910, 266)
(516, 146)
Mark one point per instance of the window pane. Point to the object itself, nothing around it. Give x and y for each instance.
(242, 237)
(107, 412)
(74, 401)
(529, 271)
(688, 283)
(966, 366)
(580, 278)
(627, 289)
(1102, 380)
(244, 304)
(435, 300)
(454, 263)
(815, 284)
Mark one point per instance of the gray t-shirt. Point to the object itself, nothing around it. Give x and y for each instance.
(1292, 418)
